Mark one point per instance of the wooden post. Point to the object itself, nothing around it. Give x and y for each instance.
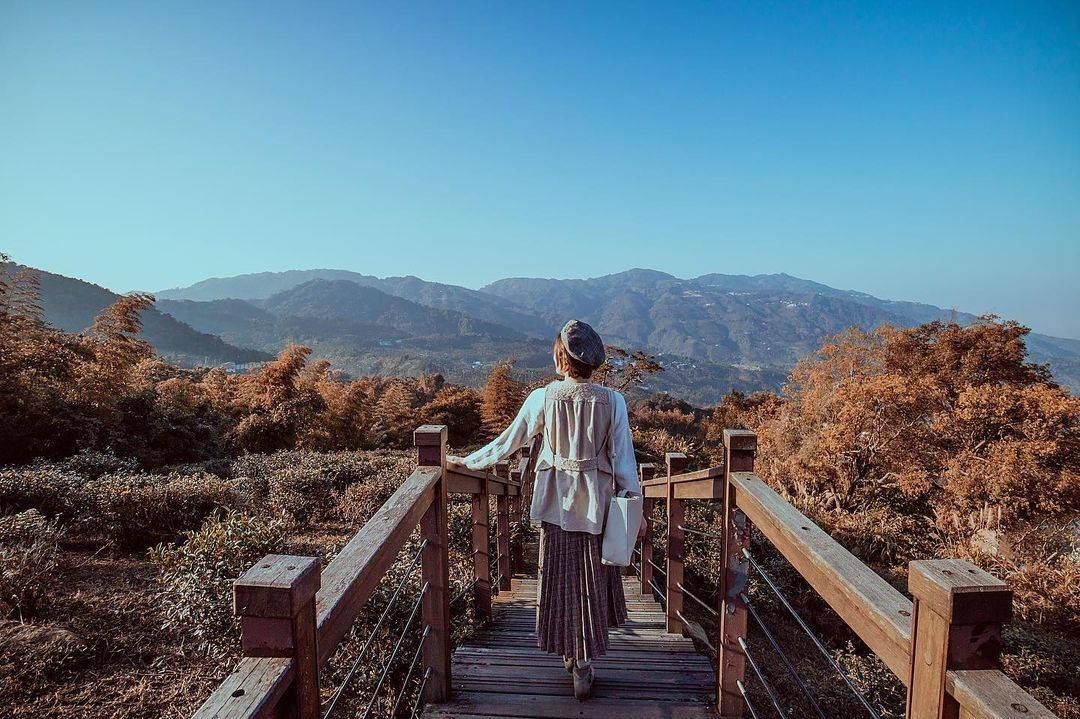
(676, 512)
(275, 600)
(646, 472)
(957, 613)
(430, 441)
(502, 510)
(481, 524)
(528, 477)
(740, 446)
(515, 519)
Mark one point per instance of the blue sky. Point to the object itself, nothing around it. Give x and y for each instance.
(924, 151)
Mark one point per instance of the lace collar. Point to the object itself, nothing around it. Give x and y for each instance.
(577, 391)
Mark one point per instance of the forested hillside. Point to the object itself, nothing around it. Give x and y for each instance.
(720, 332)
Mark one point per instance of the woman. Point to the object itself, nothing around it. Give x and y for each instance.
(587, 455)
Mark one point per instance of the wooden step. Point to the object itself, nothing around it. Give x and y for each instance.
(646, 673)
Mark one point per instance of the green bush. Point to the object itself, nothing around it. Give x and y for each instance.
(28, 549)
(196, 575)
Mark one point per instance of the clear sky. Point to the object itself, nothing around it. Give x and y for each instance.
(925, 151)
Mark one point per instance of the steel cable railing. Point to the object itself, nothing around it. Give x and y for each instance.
(704, 605)
(394, 653)
(700, 532)
(792, 672)
(746, 698)
(810, 633)
(657, 589)
(761, 678)
(409, 569)
(463, 593)
(702, 639)
(412, 668)
(420, 692)
(658, 568)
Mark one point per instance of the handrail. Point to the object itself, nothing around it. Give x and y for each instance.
(259, 684)
(961, 606)
(462, 480)
(879, 614)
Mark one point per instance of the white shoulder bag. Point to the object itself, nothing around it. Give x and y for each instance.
(624, 514)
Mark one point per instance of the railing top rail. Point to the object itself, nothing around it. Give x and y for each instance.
(347, 582)
(873, 608)
(989, 694)
(462, 480)
(699, 484)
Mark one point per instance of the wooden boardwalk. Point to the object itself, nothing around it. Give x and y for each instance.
(646, 674)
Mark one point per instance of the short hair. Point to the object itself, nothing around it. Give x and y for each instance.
(574, 367)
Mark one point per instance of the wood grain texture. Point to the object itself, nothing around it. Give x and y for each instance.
(356, 571)
(277, 585)
(676, 545)
(957, 615)
(876, 611)
(435, 567)
(646, 472)
(989, 694)
(647, 673)
(731, 663)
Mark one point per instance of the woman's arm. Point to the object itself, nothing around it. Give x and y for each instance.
(625, 465)
(528, 423)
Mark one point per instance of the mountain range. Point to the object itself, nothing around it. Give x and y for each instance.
(71, 305)
(712, 333)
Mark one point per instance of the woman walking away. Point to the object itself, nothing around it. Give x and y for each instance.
(587, 455)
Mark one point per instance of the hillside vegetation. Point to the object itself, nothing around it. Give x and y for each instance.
(135, 488)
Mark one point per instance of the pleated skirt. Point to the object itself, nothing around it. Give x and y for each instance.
(579, 597)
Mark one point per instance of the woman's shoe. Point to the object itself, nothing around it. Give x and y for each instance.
(568, 663)
(583, 680)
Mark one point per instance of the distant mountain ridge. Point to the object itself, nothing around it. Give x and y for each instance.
(71, 305)
(714, 332)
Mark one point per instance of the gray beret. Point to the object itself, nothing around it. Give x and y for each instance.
(583, 343)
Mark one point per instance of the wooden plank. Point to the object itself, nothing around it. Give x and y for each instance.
(473, 704)
(356, 571)
(502, 540)
(253, 689)
(874, 610)
(989, 694)
(259, 684)
(648, 505)
(463, 480)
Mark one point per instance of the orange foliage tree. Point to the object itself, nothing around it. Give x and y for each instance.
(940, 439)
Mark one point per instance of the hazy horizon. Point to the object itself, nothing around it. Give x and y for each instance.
(583, 277)
(926, 153)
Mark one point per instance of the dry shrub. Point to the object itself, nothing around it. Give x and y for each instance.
(135, 510)
(1044, 665)
(30, 653)
(28, 549)
(654, 443)
(51, 490)
(880, 536)
(197, 574)
(384, 473)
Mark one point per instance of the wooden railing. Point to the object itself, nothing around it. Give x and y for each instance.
(943, 646)
(294, 615)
